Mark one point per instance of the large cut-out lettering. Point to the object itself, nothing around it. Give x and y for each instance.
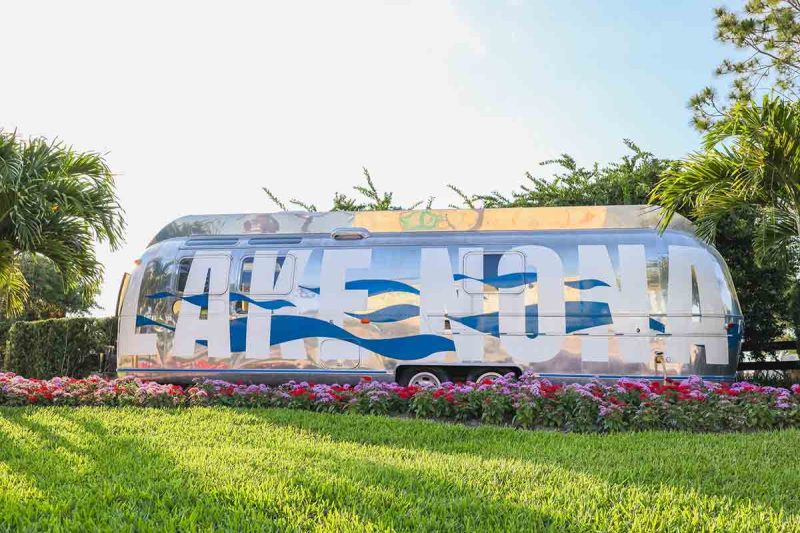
(335, 300)
(706, 328)
(215, 329)
(441, 297)
(549, 291)
(130, 342)
(627, 299)
(266, 287)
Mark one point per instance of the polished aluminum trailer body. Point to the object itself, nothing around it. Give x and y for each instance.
(570, 293)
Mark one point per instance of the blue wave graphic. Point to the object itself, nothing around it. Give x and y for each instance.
(196, 299)
(657, 326)
(488, 323)
(579, 315)
(586, 284)
(142, 321)
(373, 287)
(515, 279)
(285, 328)
(159, 295)
(270, 305)
(584, 315)
(202, 300)
(734, 338)
(506, 281)
(393, 313)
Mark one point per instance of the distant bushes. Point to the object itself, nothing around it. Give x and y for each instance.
(525, 402)
(57, 347)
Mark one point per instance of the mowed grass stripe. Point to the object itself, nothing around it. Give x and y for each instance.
(260, 469)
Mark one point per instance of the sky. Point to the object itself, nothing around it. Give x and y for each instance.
(197, 105)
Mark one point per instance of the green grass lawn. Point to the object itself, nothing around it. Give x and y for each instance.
(215, 468)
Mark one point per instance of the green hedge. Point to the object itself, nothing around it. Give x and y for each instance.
(5, 326)
(71, 347)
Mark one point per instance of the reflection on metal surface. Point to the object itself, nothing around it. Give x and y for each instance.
(507, 219)
(560, 291)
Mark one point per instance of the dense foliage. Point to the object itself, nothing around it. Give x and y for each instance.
(767, 35)
(55, 202)
(749, 164)
(766, 290)
(626, 182)
(48, 296)
(63, 346)
(751, 158)
(371, 199)
(528, 402)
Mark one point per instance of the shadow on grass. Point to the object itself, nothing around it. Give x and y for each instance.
(86, 474)
(745, 469)
(93, 471)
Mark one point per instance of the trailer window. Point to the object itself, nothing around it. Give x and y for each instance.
(481, 271)
(218, 262)
(184, 266)
(155, 279)
(281, 285)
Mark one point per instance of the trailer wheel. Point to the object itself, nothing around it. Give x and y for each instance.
(422, 376)
(479, 375)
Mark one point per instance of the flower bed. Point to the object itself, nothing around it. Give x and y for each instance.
(527, 402)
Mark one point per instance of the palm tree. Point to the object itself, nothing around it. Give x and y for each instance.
(55, 202)
(751, 158)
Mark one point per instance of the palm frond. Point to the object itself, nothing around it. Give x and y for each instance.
(13, 285)
(57, 202)
(751, 157)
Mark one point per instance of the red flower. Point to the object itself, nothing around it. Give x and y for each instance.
(438, 393)
(366, 378)
(297, 392)
(407, 392)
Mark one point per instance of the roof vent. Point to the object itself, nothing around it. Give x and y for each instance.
(349, 234)
(273, 241)
(212, 241)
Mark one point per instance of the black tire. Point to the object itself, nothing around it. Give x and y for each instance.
(476, 375)
(406, 375)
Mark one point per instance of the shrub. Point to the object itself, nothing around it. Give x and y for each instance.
(61, 346)
(5, 326)
(527, 402)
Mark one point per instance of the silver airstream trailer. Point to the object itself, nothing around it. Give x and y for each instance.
(427, 296)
